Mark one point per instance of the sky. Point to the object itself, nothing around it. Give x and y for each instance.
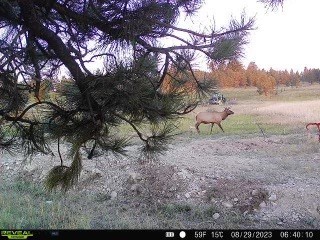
(286, 38)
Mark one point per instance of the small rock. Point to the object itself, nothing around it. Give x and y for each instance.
(97, 172)
(227, 204)
(134, 177)
(273, 197)
(254, 192)
(235, 199)
(262, 204)
(181, 175)
(127, 168)
(295, 218)
(113, 195)
(215, 216)
(187, 195)
(136, 188)
(213, 200)
(49, 202)
(280, 223)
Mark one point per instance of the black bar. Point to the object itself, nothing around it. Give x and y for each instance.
(168, 234)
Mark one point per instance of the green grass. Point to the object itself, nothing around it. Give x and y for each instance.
(185, 212)
(25, 205)
(303, 93)
(169, 210)
(188, 215)
(242, 94)
(240, 124)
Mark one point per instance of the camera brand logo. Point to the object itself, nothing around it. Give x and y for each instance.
(16, 234)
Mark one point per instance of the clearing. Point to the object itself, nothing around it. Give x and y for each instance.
(263, 172)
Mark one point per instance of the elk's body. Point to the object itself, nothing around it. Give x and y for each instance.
(212, 118)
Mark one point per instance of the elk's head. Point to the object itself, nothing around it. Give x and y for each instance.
(228, 111)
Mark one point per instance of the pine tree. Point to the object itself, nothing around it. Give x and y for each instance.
(39, 37)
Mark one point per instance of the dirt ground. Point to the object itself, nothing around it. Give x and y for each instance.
(285, 169)
(272, 180)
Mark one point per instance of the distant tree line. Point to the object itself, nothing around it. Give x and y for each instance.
(311, 75)
(234, 75)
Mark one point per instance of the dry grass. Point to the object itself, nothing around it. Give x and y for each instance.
(290, 112)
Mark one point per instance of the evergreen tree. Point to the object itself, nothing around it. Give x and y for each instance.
(39, 37)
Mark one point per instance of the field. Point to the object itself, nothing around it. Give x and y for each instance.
(261, 173)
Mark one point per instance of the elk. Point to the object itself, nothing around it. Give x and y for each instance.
(213, 118)
(315, 124)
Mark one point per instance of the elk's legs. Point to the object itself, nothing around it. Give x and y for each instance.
(197, 127)
(211, 127)
(220, 127)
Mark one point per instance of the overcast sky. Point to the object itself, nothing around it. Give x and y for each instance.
(285, 38)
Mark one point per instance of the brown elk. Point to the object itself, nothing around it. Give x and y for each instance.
(212, 117)
(315, 124)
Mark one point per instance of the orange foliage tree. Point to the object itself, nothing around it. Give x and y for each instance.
(233, 74)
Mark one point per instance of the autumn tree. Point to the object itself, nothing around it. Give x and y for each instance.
(229, 74)
(39, 38)
(265, 83)
(238, 74)
(252, 73)
(263, 80)
(275, 74)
